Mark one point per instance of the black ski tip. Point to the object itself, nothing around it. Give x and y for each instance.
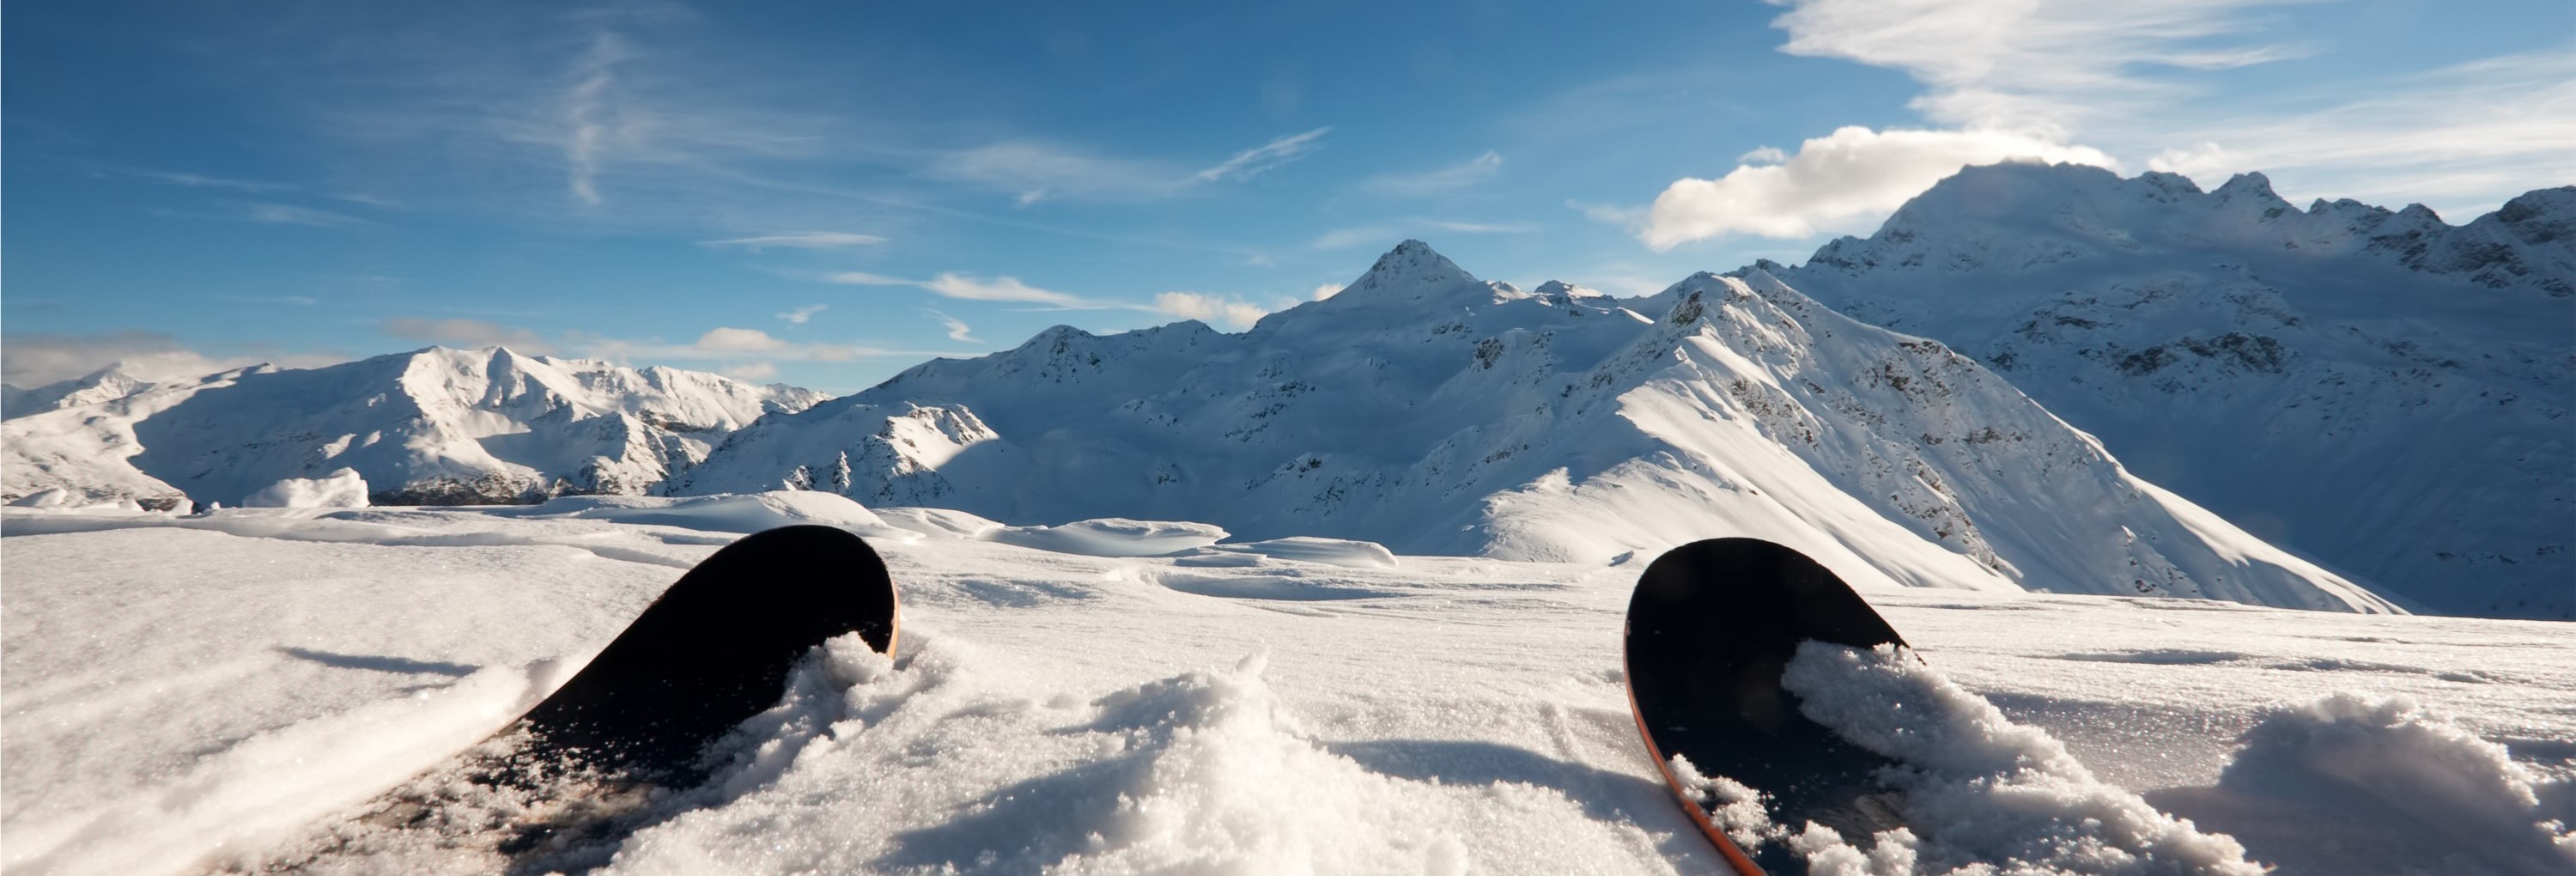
(1710, 628)
(715, 649)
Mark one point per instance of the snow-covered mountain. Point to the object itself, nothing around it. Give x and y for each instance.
(111, 382)
(2379, 390)
(1436, 413)
(430, 426)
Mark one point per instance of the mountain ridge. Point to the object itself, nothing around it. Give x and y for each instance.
(2373, 387)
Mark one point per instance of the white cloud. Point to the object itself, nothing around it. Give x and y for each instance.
(1251, 162)
(1235, 312)
(1852, 174)
(957, 328)
(803, 314)
(864, 278)
(1036, 171)
(750, 371)
(32, 360)
(970, 288)
(799, 240)
(465, 333)
(2035, 67)
(590, 118)
(2149, 79)
(726, 339)
(1763, 155)
(1456, 176)
(1324, 291)
(967, 287)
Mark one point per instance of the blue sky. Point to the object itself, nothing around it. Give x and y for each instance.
(826, 193)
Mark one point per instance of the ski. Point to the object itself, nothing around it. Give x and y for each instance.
(587, 765)
(1709, 630)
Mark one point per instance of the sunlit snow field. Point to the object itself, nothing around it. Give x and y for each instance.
(185, 694)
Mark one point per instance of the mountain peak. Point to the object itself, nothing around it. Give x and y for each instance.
(1410, 270)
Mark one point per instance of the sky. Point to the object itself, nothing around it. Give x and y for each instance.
(826, 193)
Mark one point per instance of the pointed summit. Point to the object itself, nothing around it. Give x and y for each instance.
(1410, 272)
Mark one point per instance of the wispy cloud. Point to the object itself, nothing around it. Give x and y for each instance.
(800, 315)
(589, 116)
(957, 328)
(289, 214)
(1035, 171)
(967, 287)
(799, 240)
(2037, 68)
(1429, 182)
(1388, 234)
(465, 333)
(2145, 81)
(32, 360)
(1251, 162)
(1852, 175)
(202, 181)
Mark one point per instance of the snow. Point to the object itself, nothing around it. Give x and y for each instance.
(1429, 412)
(1112, 537)
(339, 489)
(191, 692)
(431, 425)
(2381, 391)
(1982, 788)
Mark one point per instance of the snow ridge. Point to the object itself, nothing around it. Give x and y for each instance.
(2379, 389)
(431, 426)
(1432, 412)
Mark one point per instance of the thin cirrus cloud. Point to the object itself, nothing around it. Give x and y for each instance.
(798, 240)
(1445, 179)
(801, 315)
(2011, 79)
(1387, 234)
(966, 287)
(1036, 171)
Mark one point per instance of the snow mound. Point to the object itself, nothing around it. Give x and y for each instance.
(266, 788)
(1329, 551)
(1112, 537)
(1981, 792)
(2388, 767)
(339, 489)
(1204, 772)
(750, 512)
(938, 522)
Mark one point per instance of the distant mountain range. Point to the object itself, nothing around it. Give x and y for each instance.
(2381, 392)
(2377, 389)
(434, 426)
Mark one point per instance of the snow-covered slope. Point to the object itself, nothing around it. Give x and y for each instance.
(218, 693)
(434, 425)
(2377, 389)
(1436, 413)
(111, 382)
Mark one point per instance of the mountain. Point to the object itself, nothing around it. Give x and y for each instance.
(2377, 389)
(430, 426)
(106, 383)
(1437, 413)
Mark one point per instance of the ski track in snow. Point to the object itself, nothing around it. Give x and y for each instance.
(192, 693)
